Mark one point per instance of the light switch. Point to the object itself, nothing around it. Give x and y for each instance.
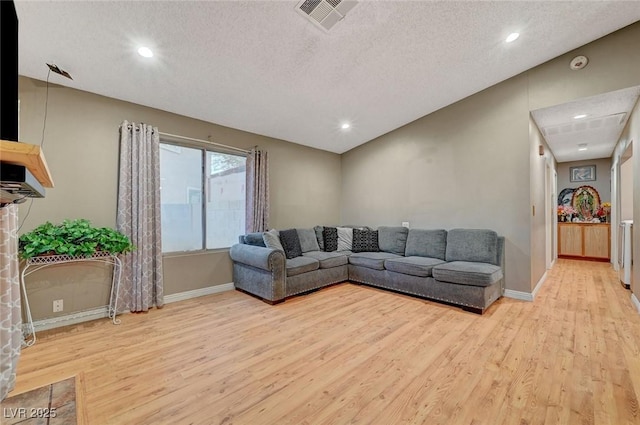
(405, 224)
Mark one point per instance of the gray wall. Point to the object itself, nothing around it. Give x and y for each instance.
(471, 164)
(81, 148)
(462, 166)
(603, 176)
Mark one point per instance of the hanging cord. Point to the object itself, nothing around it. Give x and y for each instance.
(44, 126)
(46, 109)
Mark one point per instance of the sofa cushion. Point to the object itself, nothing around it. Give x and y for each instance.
(371, 260)
(299, 265)
(426, 243)
(474, 245)
(365, 241)
(414, 266)
(467, 273)
(272, 240)
(330, 236)
(328, 259)
(256, 239)
(345, 238)
(308, 241)
(392, 239)
(319, 237)
(290, 243)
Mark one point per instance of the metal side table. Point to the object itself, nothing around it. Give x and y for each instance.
(38, 263)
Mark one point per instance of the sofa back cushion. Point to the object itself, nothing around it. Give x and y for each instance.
(291, 243)
(426, 243)
(330, 237)
(392, 239)
(365, 241)
(474, 245)
(308, 241)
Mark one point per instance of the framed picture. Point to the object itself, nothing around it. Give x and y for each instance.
(585, 173)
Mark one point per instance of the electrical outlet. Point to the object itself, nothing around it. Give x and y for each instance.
(58, 306)
(405, 224)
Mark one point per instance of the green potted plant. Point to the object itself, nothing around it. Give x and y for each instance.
(74, 238)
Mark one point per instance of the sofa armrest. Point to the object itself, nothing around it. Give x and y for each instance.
(257, 256)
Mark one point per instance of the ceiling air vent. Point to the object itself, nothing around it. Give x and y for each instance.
(325, 13)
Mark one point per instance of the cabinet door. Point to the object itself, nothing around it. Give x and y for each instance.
(570, 240)
(596, 241)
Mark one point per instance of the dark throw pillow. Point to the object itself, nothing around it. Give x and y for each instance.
(330, 236)
(291, 243)
(365, 241)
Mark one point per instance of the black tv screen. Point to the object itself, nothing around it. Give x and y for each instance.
(8, 71)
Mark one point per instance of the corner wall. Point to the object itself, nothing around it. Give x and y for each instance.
(462, 166)
(471, 164)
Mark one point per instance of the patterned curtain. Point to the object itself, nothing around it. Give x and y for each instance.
(10, 315)
(139, 216)
(257, 213)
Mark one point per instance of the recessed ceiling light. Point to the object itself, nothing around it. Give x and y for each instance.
(579, 117)
(345, 126)
(512, 37)
(145, 52)
(582, 147)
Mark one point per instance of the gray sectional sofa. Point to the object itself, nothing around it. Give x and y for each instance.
(463, 267)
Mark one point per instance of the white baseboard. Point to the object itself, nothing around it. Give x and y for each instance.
(526, 296)
(71, 319)
(518, 295)
(635, 302)
(102, 312)
(538, 285)
(181, 296)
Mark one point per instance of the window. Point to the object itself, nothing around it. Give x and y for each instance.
(202, 198)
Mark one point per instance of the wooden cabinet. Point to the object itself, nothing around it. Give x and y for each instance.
(584, 240)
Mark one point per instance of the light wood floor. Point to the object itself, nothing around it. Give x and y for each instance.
(353, 354)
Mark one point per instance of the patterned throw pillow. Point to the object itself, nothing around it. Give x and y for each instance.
(291, 243)
(365, 241)
(330, 236)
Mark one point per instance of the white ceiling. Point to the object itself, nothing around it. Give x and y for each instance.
(260, 66)
(598, 131)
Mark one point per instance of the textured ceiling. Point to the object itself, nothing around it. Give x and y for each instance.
(598, 131)
(261, 67)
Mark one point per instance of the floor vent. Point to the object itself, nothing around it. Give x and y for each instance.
(325, 13)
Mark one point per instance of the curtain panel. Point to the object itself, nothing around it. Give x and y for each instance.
(139, 217)
(257, 212)
(10, 314)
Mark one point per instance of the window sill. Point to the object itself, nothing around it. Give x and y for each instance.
(192, 253)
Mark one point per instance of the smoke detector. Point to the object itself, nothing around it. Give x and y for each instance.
(325, 13)
(578, 62)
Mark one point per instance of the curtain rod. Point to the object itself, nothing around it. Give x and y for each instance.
(203, 141)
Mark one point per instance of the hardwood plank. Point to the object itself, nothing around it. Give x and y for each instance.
(355, 354)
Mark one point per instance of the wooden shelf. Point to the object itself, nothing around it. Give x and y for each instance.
(31, 156)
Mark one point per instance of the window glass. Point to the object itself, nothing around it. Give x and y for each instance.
(226, 194)
(184, 188)
(181, 198)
